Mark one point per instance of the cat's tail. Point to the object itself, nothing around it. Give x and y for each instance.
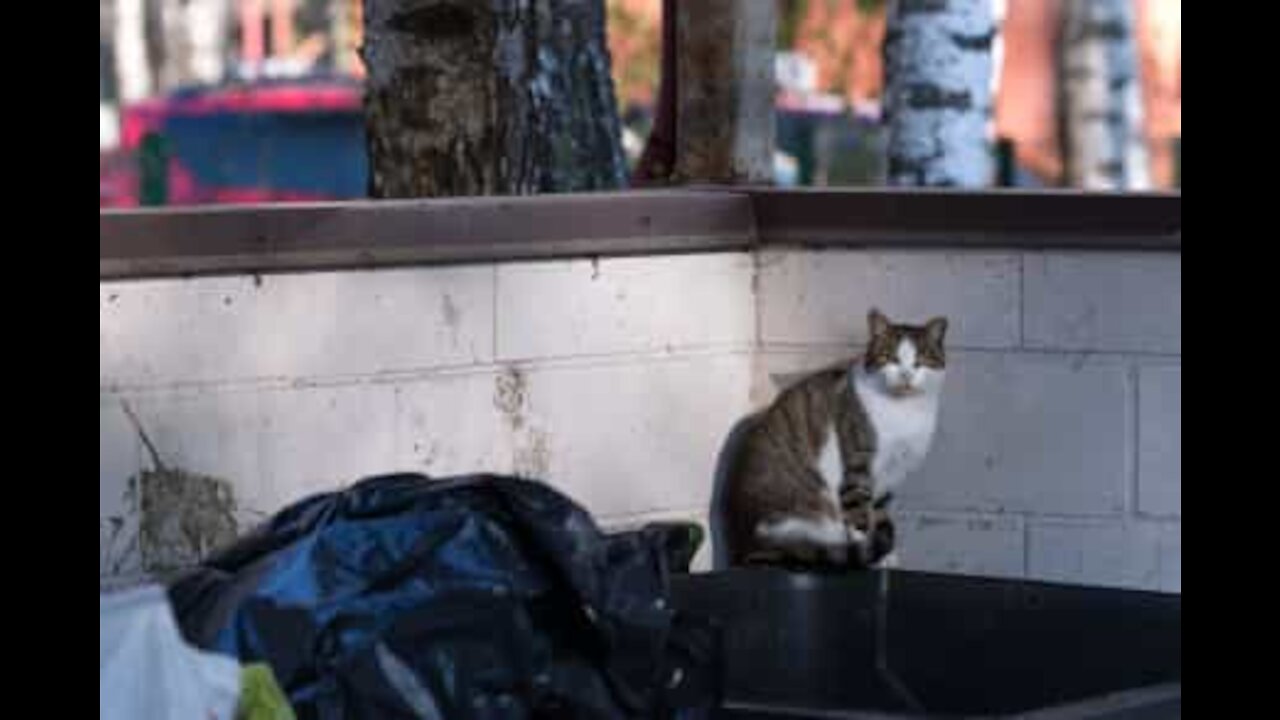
(725, 534)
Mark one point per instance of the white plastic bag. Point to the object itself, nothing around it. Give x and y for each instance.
(146, 671)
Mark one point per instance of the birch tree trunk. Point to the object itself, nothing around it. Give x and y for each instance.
(938, 92)
(1103, 146)
(489, 97)
(175, 43)
(206, 26)
(129, 41)
(999, 11)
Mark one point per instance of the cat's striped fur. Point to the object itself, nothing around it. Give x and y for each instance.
(816, 471)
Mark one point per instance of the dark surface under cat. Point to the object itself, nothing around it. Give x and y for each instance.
(830, 646)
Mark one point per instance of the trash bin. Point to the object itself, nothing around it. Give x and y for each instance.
(908, 644)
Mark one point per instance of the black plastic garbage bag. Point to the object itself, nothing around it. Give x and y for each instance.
(472, 597)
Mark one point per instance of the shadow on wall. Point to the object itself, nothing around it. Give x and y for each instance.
(726, 462)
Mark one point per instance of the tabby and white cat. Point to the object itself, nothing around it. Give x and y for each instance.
(819, 466)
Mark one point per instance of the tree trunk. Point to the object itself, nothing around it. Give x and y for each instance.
(175, 42)
(343, 14)
(999, 11)
(1103, 147)
(206, 28)
(658, 160)
(489, 97)
(938, 92)
(129, 31)
(725, 87)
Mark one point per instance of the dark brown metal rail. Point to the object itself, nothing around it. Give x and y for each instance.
(364, 234)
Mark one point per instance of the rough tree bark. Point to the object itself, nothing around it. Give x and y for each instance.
(1103, 147)
(489, 97)
(937, 97)
(725, 90)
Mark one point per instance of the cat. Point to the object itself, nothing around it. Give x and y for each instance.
(818, 468)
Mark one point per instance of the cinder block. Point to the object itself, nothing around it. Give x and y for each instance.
(624, 305)
(318, 439)
(1139, 555)
(213, 432)
(377, 321)
(1160, 441)
(1104, 301)
(275, 446)
(450, 425)
(161, 332)
(223, 329)
(822, 297)
(989, 546)
(1171, 559)
(1029, 433)
(626, 438)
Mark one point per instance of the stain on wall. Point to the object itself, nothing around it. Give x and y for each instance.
(531, 445)
(182, 517)
(452, 315)
(173, 518)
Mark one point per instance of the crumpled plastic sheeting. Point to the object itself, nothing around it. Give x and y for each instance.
(147, 672)
(472, 597)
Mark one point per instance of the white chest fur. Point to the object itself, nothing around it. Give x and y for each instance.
(831, 466)
(904, 429)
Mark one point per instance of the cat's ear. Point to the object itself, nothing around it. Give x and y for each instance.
(936, 330)
(877, 322)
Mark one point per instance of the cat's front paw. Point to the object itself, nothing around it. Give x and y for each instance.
(856, 536)
(888, 562)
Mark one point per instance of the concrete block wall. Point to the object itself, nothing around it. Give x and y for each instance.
(613, 378)
(1058, 454)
